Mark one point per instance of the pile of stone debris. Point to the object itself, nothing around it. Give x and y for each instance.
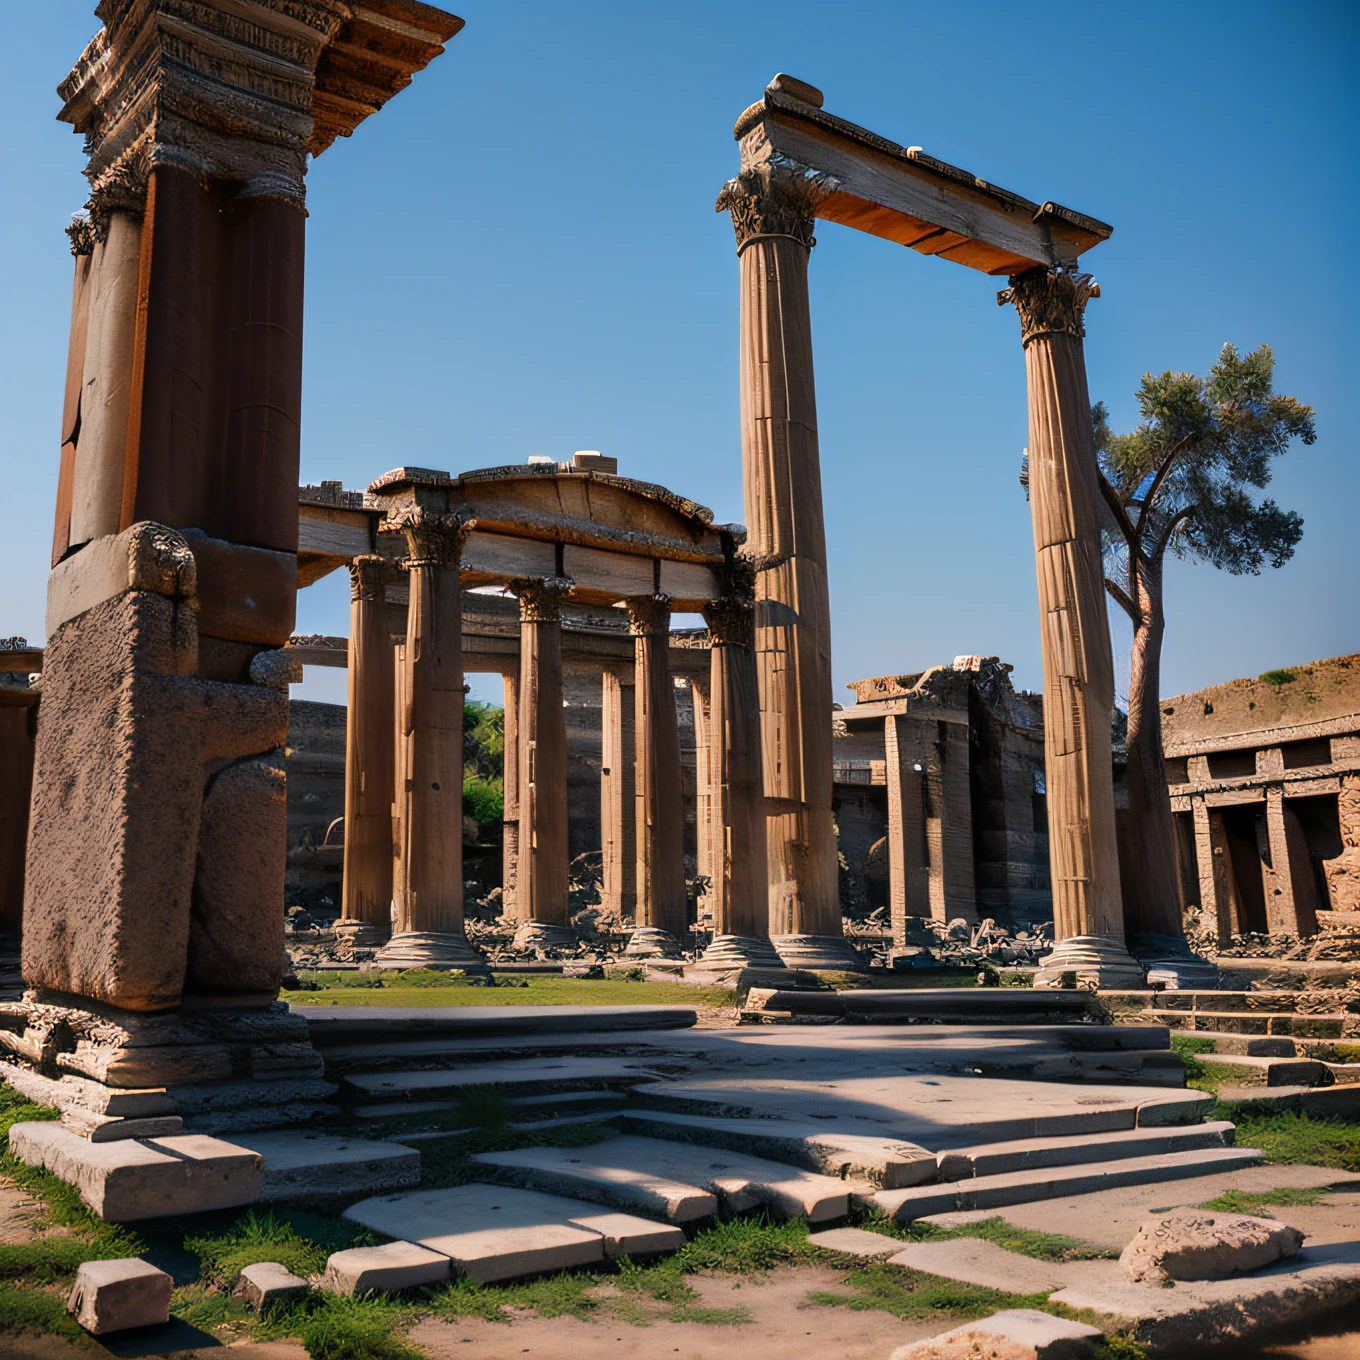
(1342, 944)
(930, 943)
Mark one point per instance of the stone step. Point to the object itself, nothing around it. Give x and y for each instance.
(1331, 1026)
(1254, 1045)
(1257, 1071)
(1020, 1187)
(301, 1165)
(499, 1232)
(1319, 1102)
(532, 1107)
(1345, 1074)
(960, 1005)
(527, 1077)
(1122, 1002)
(680, 1182)
(454, 1051)
(883, 1162)
(1029, 1154)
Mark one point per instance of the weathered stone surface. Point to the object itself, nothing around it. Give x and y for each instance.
(855, 1242)
(298, 1163)
(102, 1128)
(1016, 1334)
(386, 1269)
(78, 1093)
(266, 1283)
(973, 1260)
(131, 1180)
(1202, 1244)
(113, 1296)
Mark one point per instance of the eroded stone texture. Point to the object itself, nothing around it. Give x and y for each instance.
(1016, 1334)
(113, 1296)
(1199, 1244)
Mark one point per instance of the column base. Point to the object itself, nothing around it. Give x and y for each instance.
(539, 935)
(439, 950)
(1170, 962)
(648, 942)
(361, 934)
(821, 953)
(740, 951)
(1092, 960)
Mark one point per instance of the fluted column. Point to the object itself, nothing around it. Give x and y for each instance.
(618, 827)
(541, 887)
(660, 817)
(510, 799)
(739, 891)
(773, 211)
(1078, 669)
(428, 886)
(370, 760)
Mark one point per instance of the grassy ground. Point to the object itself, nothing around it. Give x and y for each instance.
(421, 988)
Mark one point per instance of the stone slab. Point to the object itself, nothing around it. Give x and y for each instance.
(627, 1172)
(1018, 1187)
(855, 1242)
(889, 1163)
(527, 1076)
(629, 1235)
(103, 1128)
(131, 1180)
(347, 1024)
(974, 1260)
(1197, 1314)
(115, 1296)
(386, 1270)
(1336, 1102)
(71, 1092)
(1025, 1154)
(299, 1164)
(268, 1283)
(1016, 1334)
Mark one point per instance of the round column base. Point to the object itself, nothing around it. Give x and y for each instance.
(1090, 960)
(740, 951)
(1171, 963)
(362, 934)
(438, 950)
(649, 942)
(823, 953)
(539, 935)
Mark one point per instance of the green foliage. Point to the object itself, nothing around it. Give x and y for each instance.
(913, 1294)
(206, 1307)
(1040, 1245)
(1253, 1201)
(484, 739)
(335, 1328)
(1278, 678)
(32, 1312)
(254, 1238)
(17, 1109)
(46, 1260)
(742, 1246)
(483, 799)
(1294, 1139)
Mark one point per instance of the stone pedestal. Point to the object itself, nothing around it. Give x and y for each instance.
(427, 889)
(1078, 669)
(740, 951)
(370, 761)
(647, 942)
(819, 953)
(773, 211)
(660, 811)
(540, 935)
(1096, 960)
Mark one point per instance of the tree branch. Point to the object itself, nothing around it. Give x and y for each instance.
(1117, 594)
(1183, 514)
(1157, 478)
(1117, 509)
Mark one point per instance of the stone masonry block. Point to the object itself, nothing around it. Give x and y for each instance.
(113, 1296)
(1016, 1334)
(267, 1283)
(386, 1269)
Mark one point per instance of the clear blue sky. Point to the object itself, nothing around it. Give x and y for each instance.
(519, 256)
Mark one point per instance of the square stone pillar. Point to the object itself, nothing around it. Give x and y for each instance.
(618, 795)
(510, 784)
(707, 849)
(908, 854)
(1213, 868)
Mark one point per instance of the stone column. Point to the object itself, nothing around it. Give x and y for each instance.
(740, 888)
(1214, 899)
(1078, 669)
(370, 760)
(707, 850)
(510, 814)
(908, 859)
(427, 895)
(660, 815)
(541, 888)
(1291, 901)
(618, 825)
(773, 211)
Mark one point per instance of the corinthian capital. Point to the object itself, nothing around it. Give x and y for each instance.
(540, 598)
(778, 197)
(731, 621)
(433, 539)
(368, 575)
(1050, 301)
(649, 614)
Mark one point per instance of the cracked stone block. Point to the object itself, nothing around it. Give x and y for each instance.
(113, 1296)
(1200, 1244)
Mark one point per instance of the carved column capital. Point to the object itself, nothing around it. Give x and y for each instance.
(731, 621)
(649, 614)
(540, 598)
(432, 539)
(368, 577)
(1050, 302)
(779, 198)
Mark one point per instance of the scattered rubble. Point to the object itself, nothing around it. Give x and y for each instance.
(1016, 1334)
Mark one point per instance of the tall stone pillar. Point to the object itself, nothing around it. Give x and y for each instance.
(510, 800)
(618, 825)
(1078, 669)
(740, 888)
(773, 211)
(707, 853)
(541, 889)
(1214, 898)
(660, 816)
(427, 891)
(370, 760)
(908, 855)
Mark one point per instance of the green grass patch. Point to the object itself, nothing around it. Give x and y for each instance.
(535, 989)
(1253, 1201)
(251, 1239)
(1278, 678)
(913, 1294)
(208, 1308)
(1041, 1246)
(1287, 1138)
(335, 1328)
(33, 1312)
(1188, 1045)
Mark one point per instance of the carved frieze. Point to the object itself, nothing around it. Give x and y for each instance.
(778, 197)
(1050, 301)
